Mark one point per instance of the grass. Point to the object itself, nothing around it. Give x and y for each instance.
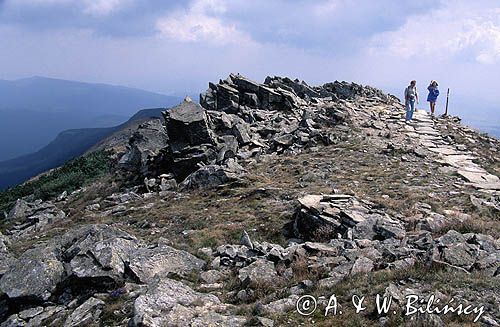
(428, 279)
(69, 177)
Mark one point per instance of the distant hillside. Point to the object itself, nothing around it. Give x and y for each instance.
(67, 145)
(33, 111)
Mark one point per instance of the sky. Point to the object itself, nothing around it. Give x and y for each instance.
(177, 47)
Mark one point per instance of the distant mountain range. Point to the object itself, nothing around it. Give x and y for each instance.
(33, 111)
(67, 145)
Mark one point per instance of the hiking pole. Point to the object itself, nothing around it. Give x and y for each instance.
(447, 97)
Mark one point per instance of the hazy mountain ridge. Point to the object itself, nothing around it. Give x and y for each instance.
(34, 110)
(66, 146)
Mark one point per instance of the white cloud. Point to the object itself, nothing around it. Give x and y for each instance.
(103, 7)
(201, 23)
(456, 30)
(89, 7)
(325, 8)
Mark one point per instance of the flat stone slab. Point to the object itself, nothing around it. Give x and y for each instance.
(427, 132)
(480, 180)
(458, 160)
(445, 151)
(428, 144)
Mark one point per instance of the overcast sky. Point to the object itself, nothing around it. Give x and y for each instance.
(178, 46)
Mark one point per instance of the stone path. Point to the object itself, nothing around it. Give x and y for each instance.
(453, 155)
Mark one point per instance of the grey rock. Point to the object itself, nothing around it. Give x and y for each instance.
(98, 252)
(451, 237)
(282, 305)
(489, 264)
(329, 282)
(32, 217)
(211, 276)
(227, 98)
(63, 196)
(56, 315)
(30, 313)
(433, 222)
(168, 184)
(186, 125)
(171, 303)
(6, 258)
(246, 241)
(144, 145)
(460, 255)
(261, 272)
(87, 314)
(362, 265)
(20, 210)
(389, 228)
(228, 148)
(211, 176)
(265, 322)
(93, 207)
(244, 84)
(35, 275)
(146, 263)
(324, 217)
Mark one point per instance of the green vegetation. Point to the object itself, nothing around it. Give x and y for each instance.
(69, 177)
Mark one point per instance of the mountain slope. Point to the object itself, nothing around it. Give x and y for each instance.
(34, 110)
(67, 145)
(262, 195)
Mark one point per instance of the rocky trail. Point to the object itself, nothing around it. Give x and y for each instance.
(227, 212)
(454, 155)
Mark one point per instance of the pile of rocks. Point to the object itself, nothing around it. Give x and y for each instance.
(30, 217)
(61, 279)
(237, 122)
(324, 217)
(271, 266)
(468, 252)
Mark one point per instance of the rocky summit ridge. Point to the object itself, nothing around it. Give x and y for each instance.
(224, 213)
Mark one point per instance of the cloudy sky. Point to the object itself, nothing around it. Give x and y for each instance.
(178, 46)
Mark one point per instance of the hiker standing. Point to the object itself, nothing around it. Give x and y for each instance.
(433, 94)
(411, 96)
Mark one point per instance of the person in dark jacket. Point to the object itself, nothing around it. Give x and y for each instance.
(411, 96)
(433, 95)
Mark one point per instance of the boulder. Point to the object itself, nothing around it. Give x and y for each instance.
(186, 125)
(172, 303)
(282, 305)
(34, 276)
(87, 314)
(244, 84)
(19, 210)
(6, 258)
(144, 145)
(245, 240)
(211, 176)
(227, 148)
(259, 273)
(33, 216)
(98, 252)
(387, 227)
(467, 252)
(146, 263)
(323, 217)
(300, 88)
(211, 276)
(227, 98)
(362, 265)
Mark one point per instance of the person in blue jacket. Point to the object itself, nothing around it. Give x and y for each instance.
(433, 95)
